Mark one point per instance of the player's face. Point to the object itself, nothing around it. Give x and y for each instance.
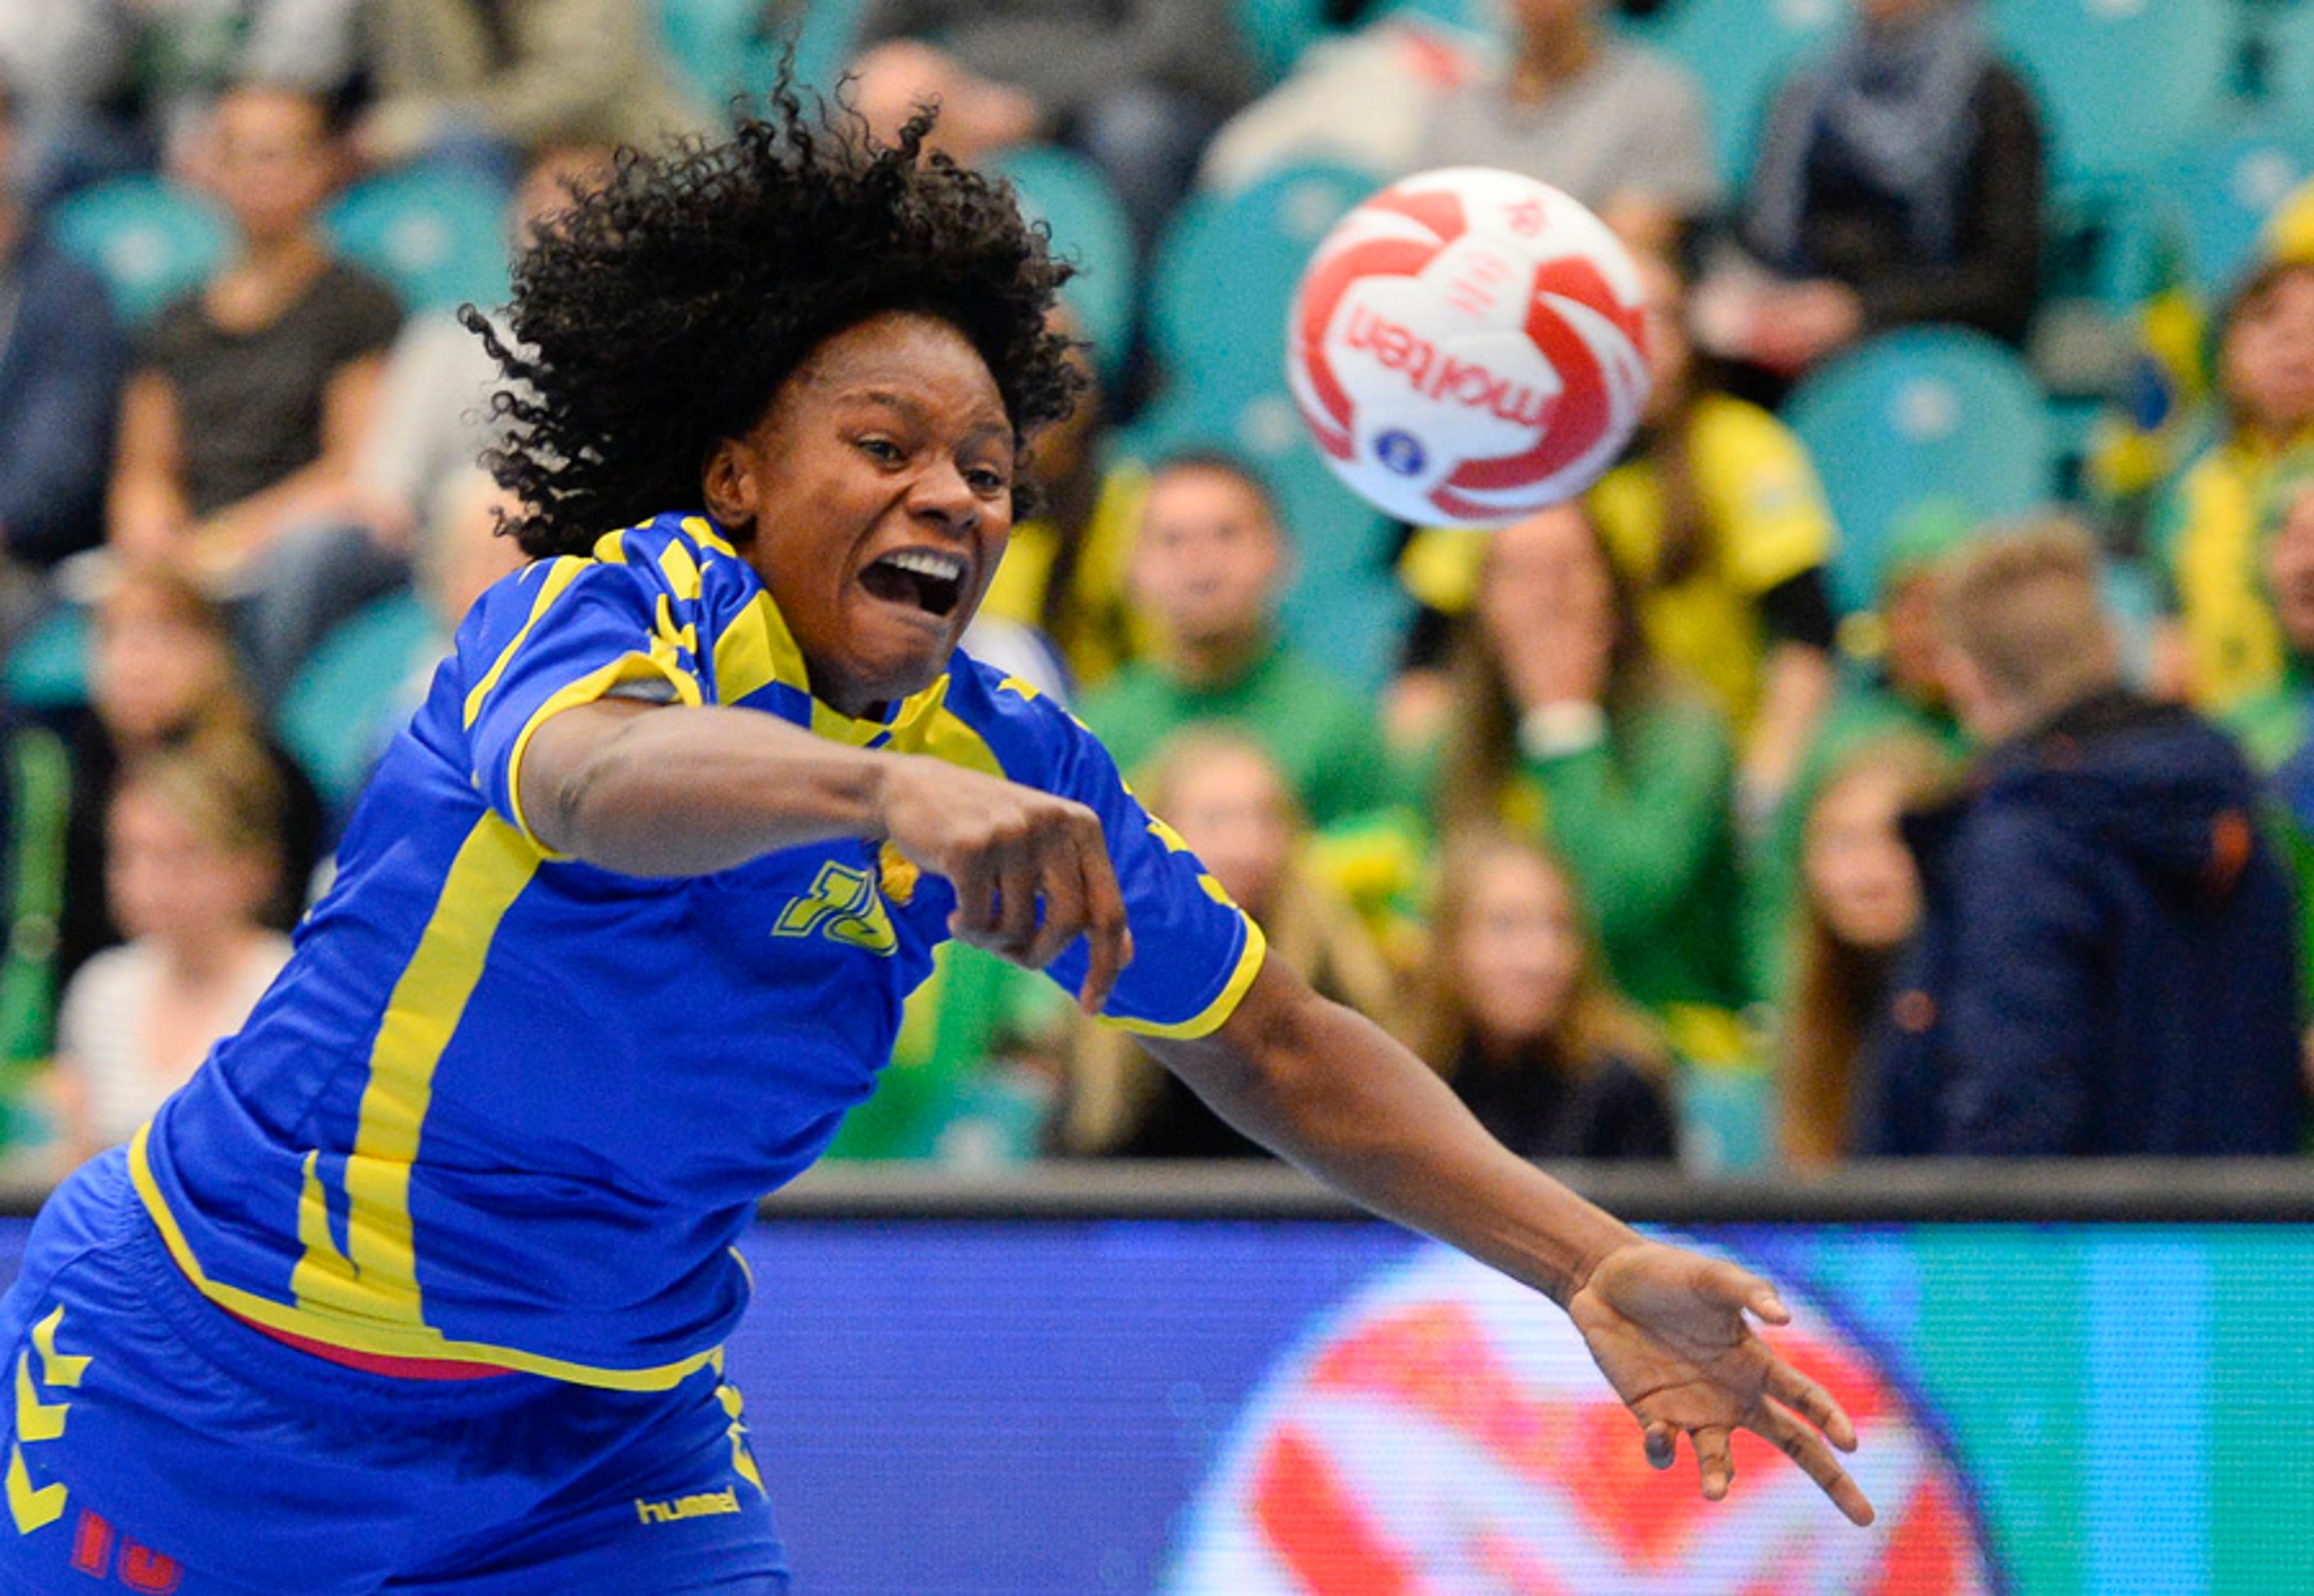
(1208, 561)
(2290, 572)
(1860, 876)
(874, 499)
(1518, 950)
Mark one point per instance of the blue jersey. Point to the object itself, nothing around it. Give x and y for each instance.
(507, 1107)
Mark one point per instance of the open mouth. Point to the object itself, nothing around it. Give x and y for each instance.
(931, 580)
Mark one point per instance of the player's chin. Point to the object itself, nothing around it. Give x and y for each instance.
(903, 654)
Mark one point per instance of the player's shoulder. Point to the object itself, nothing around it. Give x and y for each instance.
(683, 551)
(1030, 732)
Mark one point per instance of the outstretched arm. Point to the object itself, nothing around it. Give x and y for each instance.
(1332, 1092)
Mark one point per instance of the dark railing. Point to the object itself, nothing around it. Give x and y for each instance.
(2124, 1191)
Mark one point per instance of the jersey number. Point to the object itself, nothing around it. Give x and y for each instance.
(843, 906)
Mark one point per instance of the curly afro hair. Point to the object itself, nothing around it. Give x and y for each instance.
(660, 314)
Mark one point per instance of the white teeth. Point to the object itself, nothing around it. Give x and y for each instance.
(926, 563)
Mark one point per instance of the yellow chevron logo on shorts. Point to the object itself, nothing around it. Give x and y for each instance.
(701, 1504)
(31, 1507)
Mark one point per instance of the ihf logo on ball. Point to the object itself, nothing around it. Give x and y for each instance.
(1467, 346)
(1448, 1435)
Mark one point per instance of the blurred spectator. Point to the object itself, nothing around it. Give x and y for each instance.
(161, 676)
(1618, 126)
(431, 423)
(2224, 644)
(193, 854)
(1208, 566)
(1365, 99)
(1521, 1019)
(1226, 797)
(35, 809)
(254, 391)
(1063, 568)
(2275, 728)
(2105, 963)
(61, 359)
(1564, 726)
(1899, 692)
(2272, 725)
(1859, 907)
(116, 86)
(1718, 520)
(1898, 181)
(1137, 86)
(476, 81)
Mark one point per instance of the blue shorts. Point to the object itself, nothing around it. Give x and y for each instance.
(155, 1444)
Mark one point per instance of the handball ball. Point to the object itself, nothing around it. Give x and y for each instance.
(1468, 346)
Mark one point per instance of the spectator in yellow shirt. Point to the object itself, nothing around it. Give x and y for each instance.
(2222, 644)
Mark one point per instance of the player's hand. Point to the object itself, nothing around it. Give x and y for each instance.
(1031, 871)
(1667, 1327)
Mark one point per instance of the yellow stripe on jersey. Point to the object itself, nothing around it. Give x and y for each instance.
(683, 577)
(755, 650)
(559, 574)
(375, 1279)
(1216, 1013)
(702, 532)
(386, 1340)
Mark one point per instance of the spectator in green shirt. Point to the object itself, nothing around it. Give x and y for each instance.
(1564, 723)
(1209, 564)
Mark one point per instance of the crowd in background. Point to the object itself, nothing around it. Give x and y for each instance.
(1654, 844)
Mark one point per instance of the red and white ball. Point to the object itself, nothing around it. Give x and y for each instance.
(1467, 346)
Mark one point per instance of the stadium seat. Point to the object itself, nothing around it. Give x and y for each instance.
(1740, 51)
(48, 669)
(1226, 267)
(438, 237)
(1921, 414)
(2122, 84)
(1070, 196)
(729, 48)
(718, 46)
(2223, 188)
(331, 714)
(150, 239)
(1224, 279)
(1274, 33)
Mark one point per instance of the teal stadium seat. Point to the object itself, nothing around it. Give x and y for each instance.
(2123, 85)
(1070, 194)
(439, 236)
(1274, 33)
(151, 240)
(2223, 186)
(2282, 31)
(729, 48)
(48, 669)
(332, 715)
(1917, 416)
(1224, 280)
(1740, 52)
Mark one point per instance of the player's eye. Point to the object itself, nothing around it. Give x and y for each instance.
(882, 449)
(986, 480)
